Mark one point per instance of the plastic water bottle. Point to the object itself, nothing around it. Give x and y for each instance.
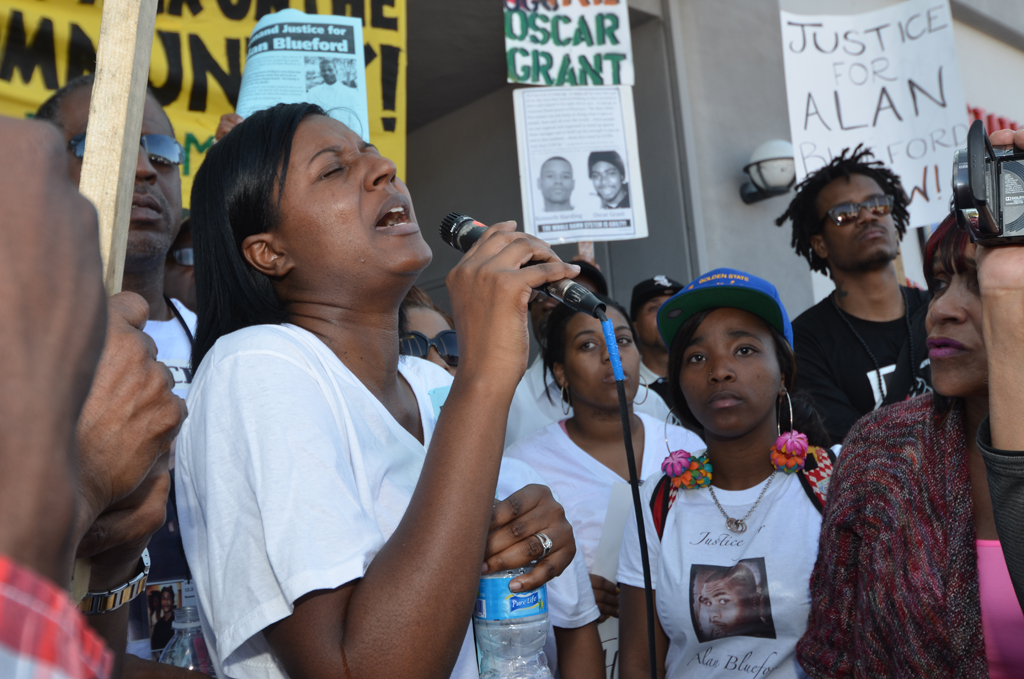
(511, 628)
(187, 648)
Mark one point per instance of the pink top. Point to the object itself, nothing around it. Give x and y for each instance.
(1002, 621)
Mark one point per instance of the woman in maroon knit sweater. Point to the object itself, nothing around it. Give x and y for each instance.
(895, 591)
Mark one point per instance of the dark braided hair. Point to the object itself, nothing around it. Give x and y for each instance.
(804, 208)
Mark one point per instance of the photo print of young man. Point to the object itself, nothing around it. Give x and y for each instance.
(608, 173)
(731, 601)
(556, 184)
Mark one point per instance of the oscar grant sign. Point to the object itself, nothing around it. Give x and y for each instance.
(568, 42)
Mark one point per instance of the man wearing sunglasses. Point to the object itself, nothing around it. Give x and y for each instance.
(155, 217)
(155, 221)
(864, 345)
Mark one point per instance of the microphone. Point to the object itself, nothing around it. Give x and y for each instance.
(461, 231)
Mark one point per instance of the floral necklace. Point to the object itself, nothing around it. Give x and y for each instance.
(788, 455)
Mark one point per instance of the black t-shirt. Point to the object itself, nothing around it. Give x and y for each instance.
(660, 387)
(835, 371)
(148, 633)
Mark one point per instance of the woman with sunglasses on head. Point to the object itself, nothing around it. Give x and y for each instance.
(428, 332)
(910, 579)
(583, 456)
(732, 530)
(573, 646)
(336, 520)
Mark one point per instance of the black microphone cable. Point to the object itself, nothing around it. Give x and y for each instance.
(461, 232)
(634, 481)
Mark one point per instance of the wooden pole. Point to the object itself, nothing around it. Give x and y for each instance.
(115, 125)
(112, 146)
(585, 248)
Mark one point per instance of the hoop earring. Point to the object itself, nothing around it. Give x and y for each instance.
(647, 392)
(668, 415)
(565, 402)
(778, 424)
(789, 454)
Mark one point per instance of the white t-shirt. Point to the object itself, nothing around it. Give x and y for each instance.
(173, 347)
(531, 410)
(584, 485)
(293, 489)
(731, 604)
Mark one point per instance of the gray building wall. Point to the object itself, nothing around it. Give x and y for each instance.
(730, 68)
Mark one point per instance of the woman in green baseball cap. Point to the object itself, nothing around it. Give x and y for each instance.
(731, 566)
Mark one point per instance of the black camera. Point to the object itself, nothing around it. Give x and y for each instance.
(988, 190)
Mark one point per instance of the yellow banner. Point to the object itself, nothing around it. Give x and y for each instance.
(197, 62)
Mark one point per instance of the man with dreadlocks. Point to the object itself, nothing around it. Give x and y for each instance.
(862, 347)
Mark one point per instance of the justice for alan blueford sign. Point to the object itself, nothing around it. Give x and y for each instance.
(887, 79)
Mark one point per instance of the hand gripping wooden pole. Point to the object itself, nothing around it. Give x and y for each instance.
(112, 146)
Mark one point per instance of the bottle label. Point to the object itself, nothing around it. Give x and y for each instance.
(494, 601)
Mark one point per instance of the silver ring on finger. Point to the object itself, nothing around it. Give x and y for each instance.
(545, 542)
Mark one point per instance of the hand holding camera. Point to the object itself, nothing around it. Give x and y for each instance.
(988, 200)
(988, 187)
(1001, 219)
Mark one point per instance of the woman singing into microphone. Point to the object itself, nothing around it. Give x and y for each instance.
(335, 524)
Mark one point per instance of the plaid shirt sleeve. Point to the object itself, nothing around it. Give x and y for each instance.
(42, 634)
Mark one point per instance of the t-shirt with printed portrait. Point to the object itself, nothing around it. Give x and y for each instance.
(731, 604)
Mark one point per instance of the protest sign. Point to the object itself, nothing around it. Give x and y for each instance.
(296, 57)
(887, 79)
(579, 167)
(197, 60)
(568, 42)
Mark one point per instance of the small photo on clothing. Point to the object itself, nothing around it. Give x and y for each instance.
(731, 601)
(163, 598)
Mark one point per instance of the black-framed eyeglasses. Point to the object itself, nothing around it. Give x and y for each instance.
(417, 344)
(848, 213)
(162, 149)
(184, 256)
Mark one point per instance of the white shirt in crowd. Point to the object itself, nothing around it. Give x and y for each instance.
(647, 375)
(584, 485)
(173, 347)
(295, 488)
(731, 604)
(531, 410)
